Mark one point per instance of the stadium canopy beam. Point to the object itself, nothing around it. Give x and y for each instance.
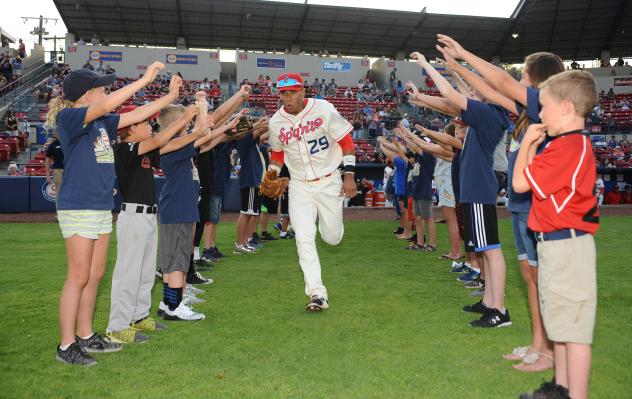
(405, 44)
(179, 12)
(614, 27)
(511, 25)
(300, 27)
(583, 29)
(557, 10)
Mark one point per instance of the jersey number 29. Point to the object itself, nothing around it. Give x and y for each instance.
(318, 145)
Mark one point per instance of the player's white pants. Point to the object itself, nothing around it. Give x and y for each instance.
(309, 200)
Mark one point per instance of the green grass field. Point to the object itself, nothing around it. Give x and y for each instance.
(395, 328)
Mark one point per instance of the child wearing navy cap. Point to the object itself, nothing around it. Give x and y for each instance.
(86, 132)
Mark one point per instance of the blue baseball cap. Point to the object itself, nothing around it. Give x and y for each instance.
(79, 81)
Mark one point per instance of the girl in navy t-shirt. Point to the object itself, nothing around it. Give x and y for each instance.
(87, 131)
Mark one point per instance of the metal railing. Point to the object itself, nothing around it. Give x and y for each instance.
(17, 94)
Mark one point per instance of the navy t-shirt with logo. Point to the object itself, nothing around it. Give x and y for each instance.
(250, 159)
(423, 171)
(487, 124)
(88, 160)
(55, 152)
(178, 202)
(221, 167)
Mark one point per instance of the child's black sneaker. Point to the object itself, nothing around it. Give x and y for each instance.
(478, 307)
(98, 343)
(493, 319)
(75, 355)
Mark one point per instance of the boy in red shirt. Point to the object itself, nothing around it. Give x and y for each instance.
(564, 217)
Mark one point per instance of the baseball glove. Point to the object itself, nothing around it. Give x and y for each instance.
(273, 186)
(244, 125)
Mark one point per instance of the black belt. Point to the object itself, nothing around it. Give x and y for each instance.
(150, 210)
(562, 234)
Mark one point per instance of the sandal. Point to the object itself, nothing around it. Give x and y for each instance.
(402, 237)
(530, 362)
(430, 248)
(518, 353)
(415, 247)
(447, 256)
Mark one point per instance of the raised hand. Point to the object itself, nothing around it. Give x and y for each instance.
(174, 86)
(451, 46)
(245, 91)
(200, 95)
(152, 71)
(420, 59)
(412, 87)
(536, 133)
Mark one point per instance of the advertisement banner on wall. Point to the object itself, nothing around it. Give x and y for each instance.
(278, 63)
(182, 59)
(623, 81)
(336, 66)
(97, 55)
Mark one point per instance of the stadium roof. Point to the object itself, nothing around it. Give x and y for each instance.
(573, 29)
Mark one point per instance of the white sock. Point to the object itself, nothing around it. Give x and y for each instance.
(196, 253)
(64, 347)
(476, 270)
(89, 336)
(283, 233)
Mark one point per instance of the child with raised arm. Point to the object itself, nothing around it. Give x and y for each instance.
(84, 208)
(137, 229)
(478, 188)
(422, 173)
(521, 98)
(178, 206)
(564, 216)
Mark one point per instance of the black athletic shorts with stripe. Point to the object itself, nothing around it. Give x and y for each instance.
(250, 201)
(480, 227)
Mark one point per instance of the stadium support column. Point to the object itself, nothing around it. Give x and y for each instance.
(181, 43)
(295, 49)
(400, 55)
(605, 57)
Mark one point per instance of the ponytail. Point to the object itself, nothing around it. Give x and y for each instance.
(521, 124)
(54, 107)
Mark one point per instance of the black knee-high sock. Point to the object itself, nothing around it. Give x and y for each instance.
(199, 230)
(191, 270)
(172, 296)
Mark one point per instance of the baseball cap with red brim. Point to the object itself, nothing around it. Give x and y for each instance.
(290, 81)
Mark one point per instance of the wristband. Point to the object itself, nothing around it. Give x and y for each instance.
(348, 163)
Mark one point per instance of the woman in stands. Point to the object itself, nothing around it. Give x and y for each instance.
(538, 67)
(84, 208)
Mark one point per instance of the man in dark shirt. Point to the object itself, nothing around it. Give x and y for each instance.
(54, 161)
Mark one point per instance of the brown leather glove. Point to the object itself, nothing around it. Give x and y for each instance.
(273, 186)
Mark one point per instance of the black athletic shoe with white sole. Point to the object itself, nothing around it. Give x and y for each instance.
(492, 319)
(98, 343)
(316, 304)
(478, 307)
(548, 390)
(75, 355)
(196, 278)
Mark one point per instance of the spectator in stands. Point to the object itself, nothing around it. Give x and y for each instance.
(619, 63)
(268, 81)
(613, 142)
(22, 49)
(315, 85)
(608, 163)
(613, 197)
(256, 89)
(17, 67)
(332, 87)
(624, 105)
(54, 163)
(109, 70)
(618, 153)
(605, 64)
(392, 79)
(95, 40)
(348, 93)
(357, 125)
(3, 81)
(626, 196)
(13, 169)
(11, 123)
(611, 93)
(81, 42)
(624, 141)
(599, 190)
(6, 69)
(88, 65)
(574, 65)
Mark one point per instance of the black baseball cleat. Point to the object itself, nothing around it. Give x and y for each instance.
(548, 390)
(317, 304)
(492, 319)
(196, 278)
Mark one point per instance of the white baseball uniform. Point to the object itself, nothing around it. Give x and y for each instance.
(312, 154)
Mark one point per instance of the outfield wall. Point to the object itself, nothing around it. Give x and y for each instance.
(133, 61)
(346, 71)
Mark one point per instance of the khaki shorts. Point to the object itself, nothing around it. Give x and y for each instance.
(85, 223)
(568, 288)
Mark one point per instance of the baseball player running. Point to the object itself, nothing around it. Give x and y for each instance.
(312, 139)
